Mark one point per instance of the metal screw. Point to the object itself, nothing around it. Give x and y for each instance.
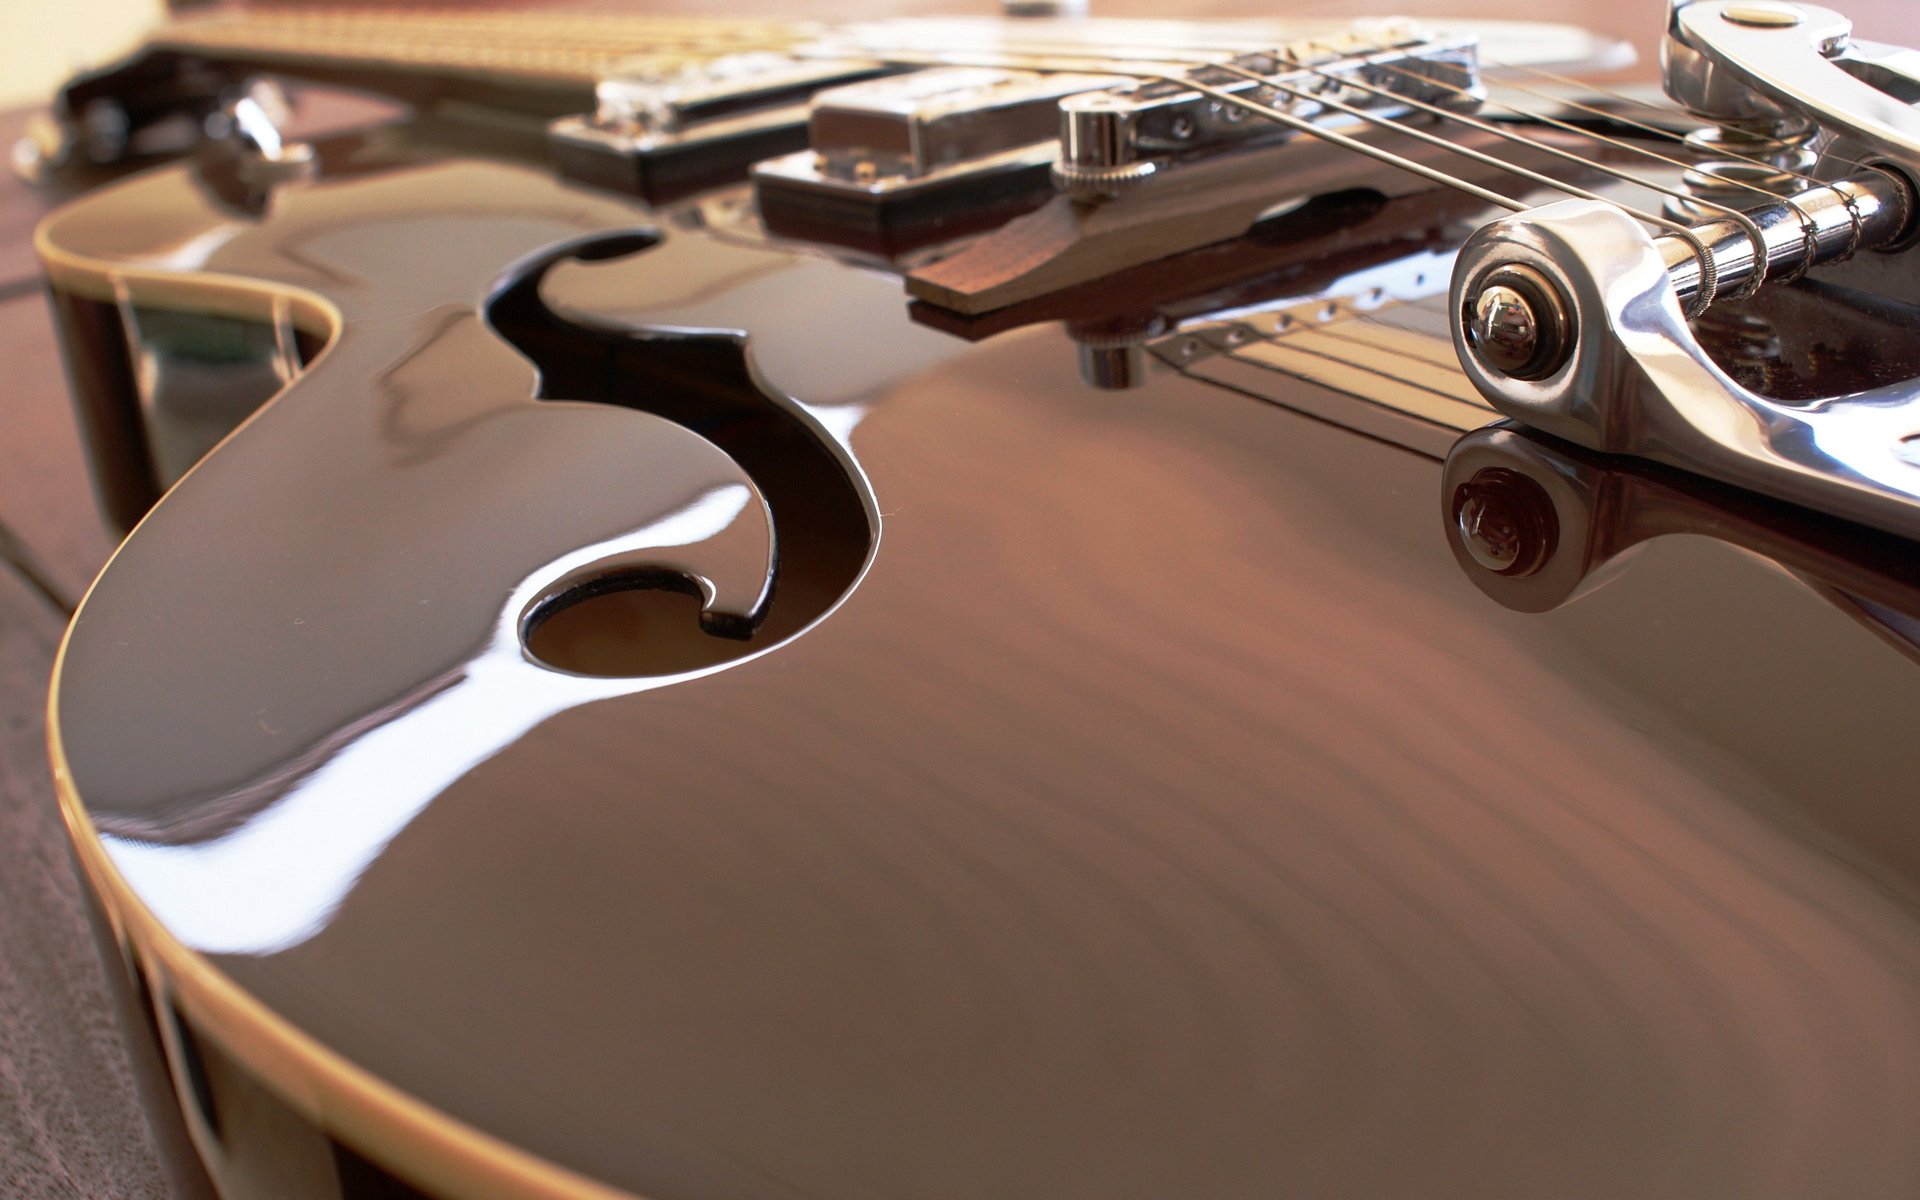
(1516, 323)
(1505, 521)
(1762, 14)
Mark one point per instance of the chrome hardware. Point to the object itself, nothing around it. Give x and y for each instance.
(913, 126)
(1626, 374)
(1635, 381)
(1739, 160)
(1763, 14)
(1754, 143)
(109, 116)
(44, 147)
(1113, 354)
(254, 121)
(665, 134)
(1099, 147)
(1502, 521)
(1536, 524)
(1822, 224)
(1518, 323)
(1118, 140)
(1727, 62)
(896, 161)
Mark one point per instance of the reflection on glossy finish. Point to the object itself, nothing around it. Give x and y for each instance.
(1160, 813)
(1537, 523)
(418, 416)
(296, 843)
(1632, 378)
(1497, 521)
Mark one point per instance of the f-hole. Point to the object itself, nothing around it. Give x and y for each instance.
(704, 382)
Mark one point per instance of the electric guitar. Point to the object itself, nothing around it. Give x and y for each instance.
(987, 608)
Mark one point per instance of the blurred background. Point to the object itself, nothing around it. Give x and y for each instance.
(71, 1119)
(41, 43)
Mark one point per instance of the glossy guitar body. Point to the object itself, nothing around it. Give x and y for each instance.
(994, 786)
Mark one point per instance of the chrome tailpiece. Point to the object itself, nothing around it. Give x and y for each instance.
(1573, 318)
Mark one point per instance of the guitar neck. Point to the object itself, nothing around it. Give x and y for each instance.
(539, 48)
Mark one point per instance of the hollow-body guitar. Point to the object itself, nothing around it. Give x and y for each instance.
(946, 608)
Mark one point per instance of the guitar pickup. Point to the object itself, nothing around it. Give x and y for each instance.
(901, 162)
(664, 134)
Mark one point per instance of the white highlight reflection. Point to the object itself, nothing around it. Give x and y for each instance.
(277, 880)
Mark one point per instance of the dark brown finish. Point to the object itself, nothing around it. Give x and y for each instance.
(1064, 245)
(100, 361)
(1650, 898)
(1560, 520)
(1162, 812)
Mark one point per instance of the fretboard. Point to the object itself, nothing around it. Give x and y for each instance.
(550, 47)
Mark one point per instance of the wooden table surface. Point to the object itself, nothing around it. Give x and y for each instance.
(75, 1120)
(72, 1121)
(72, 1118)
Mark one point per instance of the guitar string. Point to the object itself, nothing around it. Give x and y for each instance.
(1702, 299)
(1338, 332)
(697, 30)
(1594, 89)
(1746, 223)
(1171, 73)
(1165, 72)
(1303, 125)
(1187, 82)
(1468, 151)
(1569, 127)
(1093, 63)
(1183, 76)
(1184, 79)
